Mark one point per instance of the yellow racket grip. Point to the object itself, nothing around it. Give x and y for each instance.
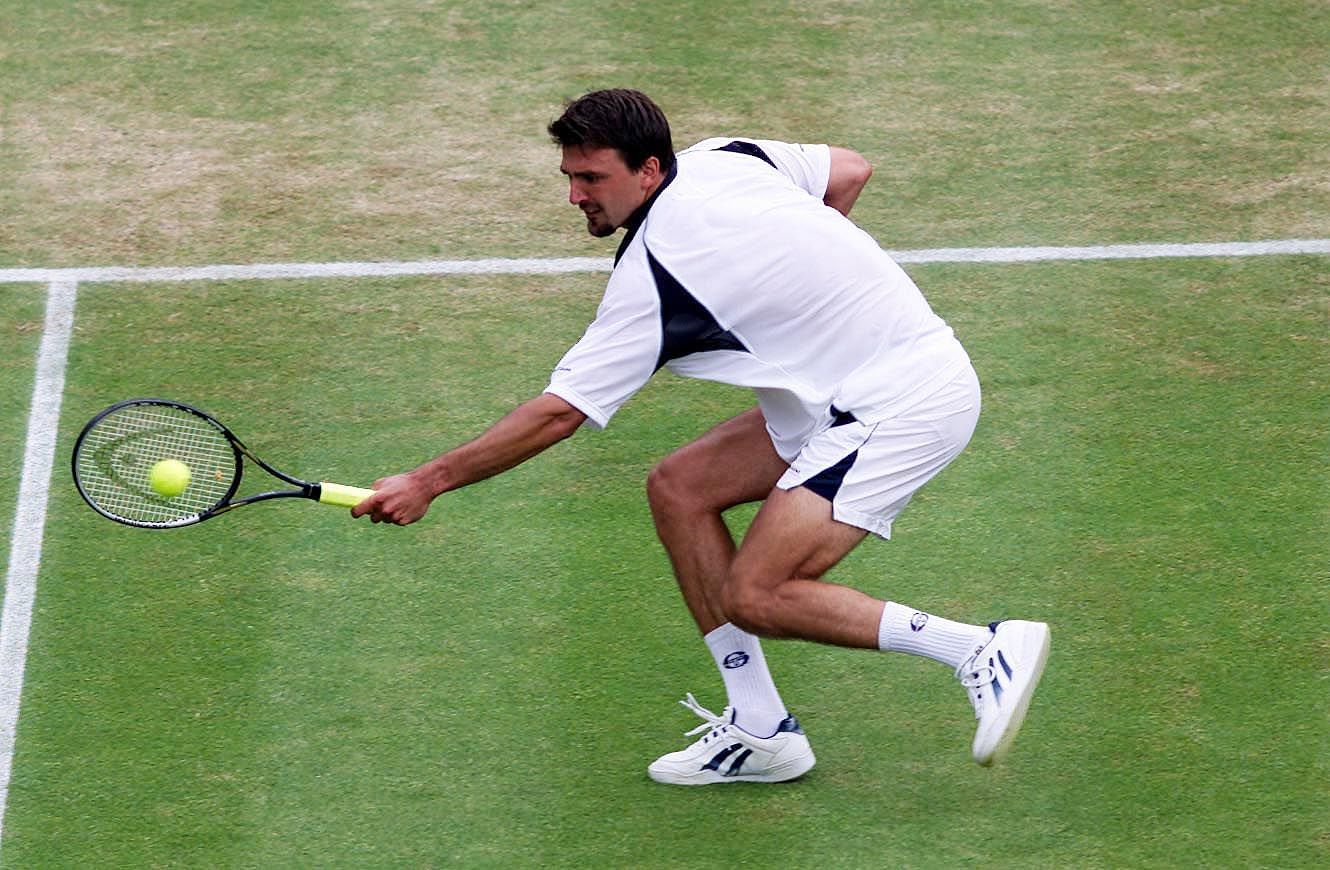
(342, 496)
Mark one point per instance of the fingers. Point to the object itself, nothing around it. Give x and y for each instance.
(395, 500)
(366, 505)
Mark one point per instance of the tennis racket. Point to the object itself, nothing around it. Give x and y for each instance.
(116, 452)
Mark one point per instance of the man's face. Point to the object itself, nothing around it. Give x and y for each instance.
(604, 188)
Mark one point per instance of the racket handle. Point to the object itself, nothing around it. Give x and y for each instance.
(342, 496)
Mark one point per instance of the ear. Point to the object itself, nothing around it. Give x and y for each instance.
(649, 173)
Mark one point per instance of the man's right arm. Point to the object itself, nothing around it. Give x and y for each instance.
(527, 430)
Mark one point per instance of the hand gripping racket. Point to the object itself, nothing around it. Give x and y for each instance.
(117, 450)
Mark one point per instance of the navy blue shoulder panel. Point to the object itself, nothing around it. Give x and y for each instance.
(686, 326)
(748, 148)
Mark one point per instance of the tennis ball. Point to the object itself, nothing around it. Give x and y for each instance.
(169, 477)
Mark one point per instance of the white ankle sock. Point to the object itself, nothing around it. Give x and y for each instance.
(904, 629)
(752, 693)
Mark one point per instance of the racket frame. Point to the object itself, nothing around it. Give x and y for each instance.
(327, 493)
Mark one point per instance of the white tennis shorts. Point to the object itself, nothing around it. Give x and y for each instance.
(870, 471)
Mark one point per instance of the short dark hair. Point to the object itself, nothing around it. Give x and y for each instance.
(619, 118)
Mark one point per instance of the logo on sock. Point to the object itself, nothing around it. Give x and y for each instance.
(918, 621)
(736, 659)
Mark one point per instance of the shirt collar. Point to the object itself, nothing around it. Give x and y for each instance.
(640, 214)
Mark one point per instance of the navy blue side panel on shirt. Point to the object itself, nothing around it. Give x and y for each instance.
(748, 148)
(686, 326)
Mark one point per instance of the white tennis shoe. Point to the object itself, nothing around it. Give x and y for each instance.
(1001, 679)
(727, 753)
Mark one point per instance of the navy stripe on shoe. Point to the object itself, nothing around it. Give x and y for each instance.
(733, 769)
(719, 757)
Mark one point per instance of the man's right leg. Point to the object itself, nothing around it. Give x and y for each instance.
(732, 464)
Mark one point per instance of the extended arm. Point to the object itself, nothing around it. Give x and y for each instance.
(527, 430)
(849, 173)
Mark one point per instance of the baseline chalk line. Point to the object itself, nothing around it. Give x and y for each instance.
(30, 517)
(536, 266)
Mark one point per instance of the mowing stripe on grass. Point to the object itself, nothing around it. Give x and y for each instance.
(48, 389)
(30, 517)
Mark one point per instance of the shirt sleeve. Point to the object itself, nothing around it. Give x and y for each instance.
(807, 166)
(616, 355)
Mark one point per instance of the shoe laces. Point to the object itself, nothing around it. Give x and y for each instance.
(975, 679)
(716, 724)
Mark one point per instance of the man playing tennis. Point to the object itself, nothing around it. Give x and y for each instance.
(739, 265)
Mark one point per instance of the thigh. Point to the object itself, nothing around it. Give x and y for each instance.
(793, 537)
(731, 464)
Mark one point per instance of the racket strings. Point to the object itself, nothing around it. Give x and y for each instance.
(118, 453)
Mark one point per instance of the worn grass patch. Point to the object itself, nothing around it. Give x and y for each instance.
(240, 132)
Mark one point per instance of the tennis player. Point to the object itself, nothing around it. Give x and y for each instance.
(738, 264)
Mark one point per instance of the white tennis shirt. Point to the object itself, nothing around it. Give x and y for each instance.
(735, 271)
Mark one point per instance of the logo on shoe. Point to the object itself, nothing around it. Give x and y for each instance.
(735, 766)
(736, 659)
(918, 621)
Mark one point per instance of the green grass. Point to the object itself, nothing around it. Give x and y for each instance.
(282, 687)
(21, 317)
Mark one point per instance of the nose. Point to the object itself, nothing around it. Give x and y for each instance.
(576, 195)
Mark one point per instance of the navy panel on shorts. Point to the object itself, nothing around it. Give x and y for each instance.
(827, 483)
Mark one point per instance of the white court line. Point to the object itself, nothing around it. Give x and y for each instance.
(30, 517)
(1115, 252)
(44, 418)
(273, 271)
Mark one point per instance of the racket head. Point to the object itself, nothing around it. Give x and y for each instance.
(118, 448)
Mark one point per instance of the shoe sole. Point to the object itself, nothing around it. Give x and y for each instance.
(1014, 723)
(794, 769)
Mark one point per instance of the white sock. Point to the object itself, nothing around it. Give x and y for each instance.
(904, 629)
(758, 708)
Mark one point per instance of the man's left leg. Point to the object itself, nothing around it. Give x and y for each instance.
(775, 589)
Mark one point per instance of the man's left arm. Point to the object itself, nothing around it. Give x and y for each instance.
(849, 173)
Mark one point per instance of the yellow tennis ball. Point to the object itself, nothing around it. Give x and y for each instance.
(169, 477)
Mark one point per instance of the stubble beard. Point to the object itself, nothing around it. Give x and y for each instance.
(600, 229)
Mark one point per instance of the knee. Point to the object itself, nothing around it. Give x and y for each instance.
(668, 488)
(748, 606)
